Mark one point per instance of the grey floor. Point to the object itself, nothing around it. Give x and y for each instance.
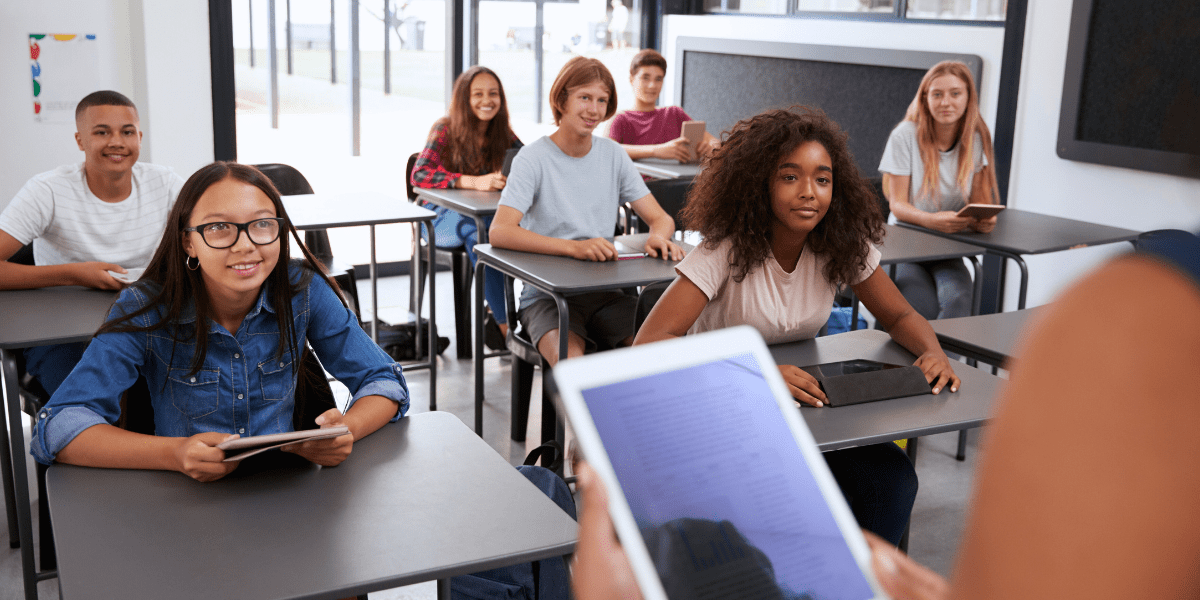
(937, 521)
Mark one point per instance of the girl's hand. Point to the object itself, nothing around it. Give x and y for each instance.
(677, 149)
(938, 371)
(947, 221)
(804, 387)
(199, 458)
(601, 570)
(657, 246)
(329, 452)
(492, 182)
(595, 249)
(984, 225)
(902, 577)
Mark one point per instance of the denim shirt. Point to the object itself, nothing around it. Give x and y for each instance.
(242, 386)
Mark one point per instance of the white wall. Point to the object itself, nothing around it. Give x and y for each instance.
(987, 42)
(153, 51)
(1043, 182)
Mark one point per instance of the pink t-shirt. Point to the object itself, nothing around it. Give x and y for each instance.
(638, 128)
(783, 307)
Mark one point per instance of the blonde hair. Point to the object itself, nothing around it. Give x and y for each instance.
(970, 125)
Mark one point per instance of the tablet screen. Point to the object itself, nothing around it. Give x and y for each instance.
(719, 487)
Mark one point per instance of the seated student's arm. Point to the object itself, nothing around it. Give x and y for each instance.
(380, 393)
(908, 328)
(980, 194)
(662, 228)
(676, 149)
(429, 171)
(1058, 511)
(896, 187)
(26, 277)
(506, 232)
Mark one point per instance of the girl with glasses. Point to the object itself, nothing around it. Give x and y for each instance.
(217, 326)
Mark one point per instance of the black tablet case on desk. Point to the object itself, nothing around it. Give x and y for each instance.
(857, 381)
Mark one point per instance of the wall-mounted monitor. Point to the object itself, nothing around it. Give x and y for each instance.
(1131, 90)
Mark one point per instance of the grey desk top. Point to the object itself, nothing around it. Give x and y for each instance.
(55, 315)
(325, 211)
(1022, 232)
(990, 338)
(899, 418)
(666, 169)
(904, 245)
(421, 499)
(473, 203)
(561, 274)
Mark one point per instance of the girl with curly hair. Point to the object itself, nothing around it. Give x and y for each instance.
(787, 220)
(936, 161)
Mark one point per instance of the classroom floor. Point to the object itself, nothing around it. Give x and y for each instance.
(937, 521)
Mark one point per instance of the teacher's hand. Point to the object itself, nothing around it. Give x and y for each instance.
(804, 387)
(601, 570)
(199, 458)
(902, 577)
(938, 372)
(328, 452)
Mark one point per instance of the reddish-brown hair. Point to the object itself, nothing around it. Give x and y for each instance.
(467, 150)
(647, 58)
(970, 125)
(578, 72)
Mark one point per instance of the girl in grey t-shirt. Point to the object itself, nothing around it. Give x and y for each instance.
(937, 160)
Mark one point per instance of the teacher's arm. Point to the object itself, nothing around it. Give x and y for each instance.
(908, 328)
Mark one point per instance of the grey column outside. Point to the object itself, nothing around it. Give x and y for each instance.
(387, 47)
(273, 61)
(250, 3)
(332, 43)
(289, 36)
(355, 84)
(539, 29)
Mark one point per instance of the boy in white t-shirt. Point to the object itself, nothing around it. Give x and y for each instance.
(84, 220)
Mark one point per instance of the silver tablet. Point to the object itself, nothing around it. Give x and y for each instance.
(716, 486)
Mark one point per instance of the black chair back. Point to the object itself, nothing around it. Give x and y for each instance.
(23, 256)
(671, 195)
(408, 184)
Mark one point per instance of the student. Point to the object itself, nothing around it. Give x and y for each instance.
(216, 326)
(1056, 513)
(85, 219)
(936, 161)
(465, 150)
(787, 220)
(562, 198)
(648, 131)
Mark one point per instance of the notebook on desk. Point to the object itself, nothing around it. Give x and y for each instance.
(715, 484)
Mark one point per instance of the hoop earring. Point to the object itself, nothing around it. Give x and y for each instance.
(187, 263)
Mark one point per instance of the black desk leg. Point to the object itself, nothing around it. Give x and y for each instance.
(478, 358)
(10, 374)
(910, 447)
(1024, 280)
(962, 445)
(443, 589)
(19, 476)
(433, 341)
(977, 293)
(45, 529)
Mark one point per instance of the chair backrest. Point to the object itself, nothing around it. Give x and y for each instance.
(412, 163)
(23, 256)
(286, 178)
(671, 195)
(877, 186)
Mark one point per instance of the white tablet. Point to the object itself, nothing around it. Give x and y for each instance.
(716, 486)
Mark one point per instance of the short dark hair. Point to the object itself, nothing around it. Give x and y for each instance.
(578, 72)
(647, 58)
(103, 98)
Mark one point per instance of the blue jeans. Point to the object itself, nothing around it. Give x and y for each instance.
(50, 365)
(880, 485)
(939, 289)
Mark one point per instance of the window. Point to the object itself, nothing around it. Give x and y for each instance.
(959, 10)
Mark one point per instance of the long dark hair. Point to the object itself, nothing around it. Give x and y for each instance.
(466, 150)
(731, 198)
(171, 286)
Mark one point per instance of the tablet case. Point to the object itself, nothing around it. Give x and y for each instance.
(846, 383)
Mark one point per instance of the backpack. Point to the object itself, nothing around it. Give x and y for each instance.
(546, 579)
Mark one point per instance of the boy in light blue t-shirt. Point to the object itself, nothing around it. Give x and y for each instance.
(562, 198)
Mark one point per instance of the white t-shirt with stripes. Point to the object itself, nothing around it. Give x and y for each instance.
(67, 223)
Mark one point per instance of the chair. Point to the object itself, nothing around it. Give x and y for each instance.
(525, 357)
(671, 195)
(290, 182)
(461, 271)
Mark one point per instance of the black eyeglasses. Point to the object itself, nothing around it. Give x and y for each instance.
(222, 234)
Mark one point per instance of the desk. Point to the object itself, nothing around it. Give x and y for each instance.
(904, 245)
(898, 418)
(1020, 232)
(559, 275)
(419, 499)
(58, 315)
(469, 203)
(986, 338)
(667, 169)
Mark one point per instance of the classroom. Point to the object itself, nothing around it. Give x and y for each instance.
(347, 109)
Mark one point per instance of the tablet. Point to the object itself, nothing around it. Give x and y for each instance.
(694, 132)
(241, 448)
(129, 276)
(980, 211)
(716, 487)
